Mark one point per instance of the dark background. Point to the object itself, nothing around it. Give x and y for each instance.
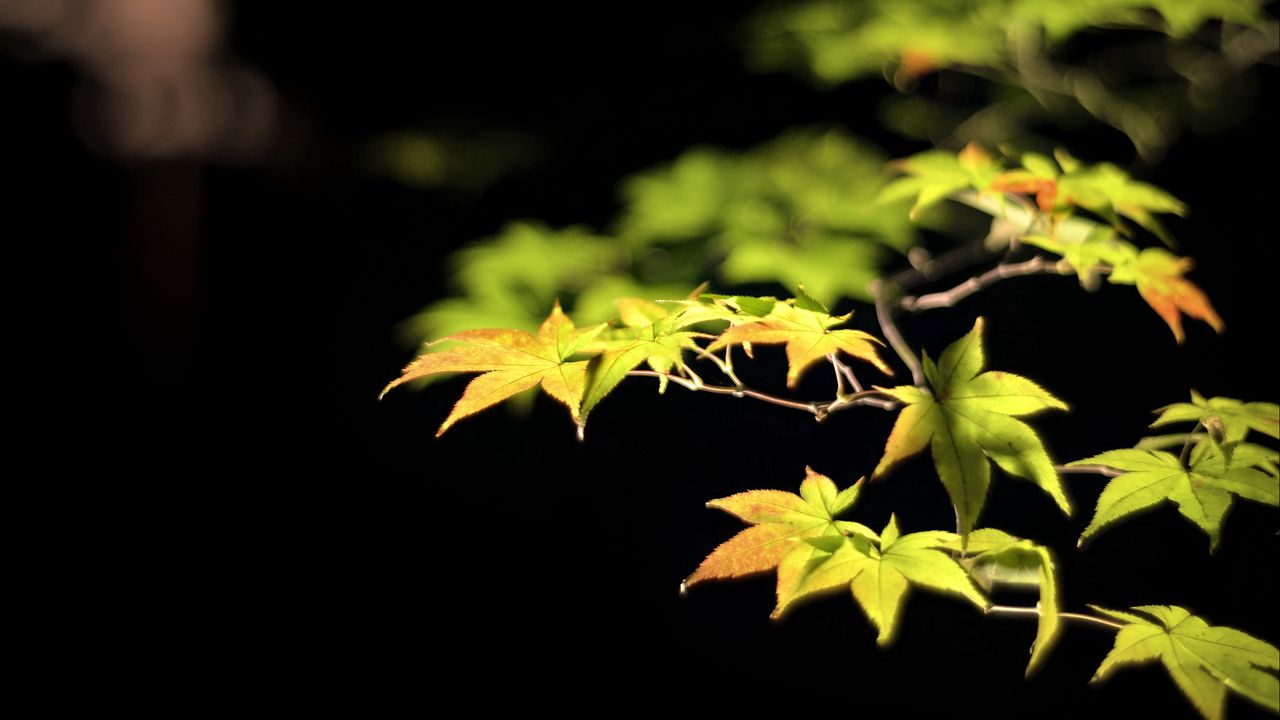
(274, 528)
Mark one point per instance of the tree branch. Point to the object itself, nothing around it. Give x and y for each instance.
(1034, 266)
(1016, 611)
(884, 315)
(818, 409)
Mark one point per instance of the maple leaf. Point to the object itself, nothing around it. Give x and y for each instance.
(651, 334)
(997, 558)
(934, 175)
(1237, 417)
(1158, 274)
(806, 328)
(970, 416)
(1203, 491)
(1038, 176)
(510, 361)
(1204, 660)
(778, 520)
(879, 577)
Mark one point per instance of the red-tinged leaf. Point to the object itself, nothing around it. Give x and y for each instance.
(1158, 274)
(1023, 182)
(511, 361)
(779, 522)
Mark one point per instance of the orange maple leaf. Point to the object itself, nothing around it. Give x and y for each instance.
(1021, 181)
(779, 522)
(511, 361)
(1158, 274)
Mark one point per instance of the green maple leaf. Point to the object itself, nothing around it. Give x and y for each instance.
(997, 558)
(650, 334)
(1203, 491)
(968, 418)
(807, 329)
(778, 521)
(1237, 417)
(1204, 661)
(879, 577)
(934, 175)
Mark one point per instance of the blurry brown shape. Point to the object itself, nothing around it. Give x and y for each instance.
(159, 86)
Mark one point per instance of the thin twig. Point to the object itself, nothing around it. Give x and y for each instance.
(942, 265)
(726, 366)
(947, 298)
(1186, 446)
(885, 317)
(723, 390)
(847, 371)
(1016, 611)
(1088, 469)
(835, 368)
(883, 403)
(873, 398)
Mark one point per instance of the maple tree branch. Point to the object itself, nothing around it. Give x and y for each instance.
(808, 407)
(1018, 611)
(726, 365)
(884, 315)
(925, 268)
(947, 298)
(818, 409)
(835, 368)
(1087, 469)
(845, 370)
(884, 403)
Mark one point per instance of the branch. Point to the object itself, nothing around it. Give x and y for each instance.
(842, 369)
(1034, 266)
(1087, 469)
(818, 409)
(884, 314)
(1016, 611)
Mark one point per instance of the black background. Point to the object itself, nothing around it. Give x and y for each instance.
(274, 528)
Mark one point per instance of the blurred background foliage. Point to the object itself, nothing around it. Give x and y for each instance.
(1148, 68)
(807, 207)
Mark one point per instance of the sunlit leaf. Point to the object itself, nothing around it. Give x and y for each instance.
(510, 361)
(808, 335)
(969, 419)
(997, 558)
(779, 521)
(1202, 491)
(1237, 417)
(1204, 661)
(1159, 277)
(880, 577)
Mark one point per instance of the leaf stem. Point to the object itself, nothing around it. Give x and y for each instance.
(1087, 469)
(884, 315)
(835, 367)
(726, 365)
(1017, 611)
(1186, 446)
(1163, 441)
(947, 298)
